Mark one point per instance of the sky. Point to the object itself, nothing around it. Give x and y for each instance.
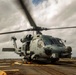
(46, 13)
(36, 2)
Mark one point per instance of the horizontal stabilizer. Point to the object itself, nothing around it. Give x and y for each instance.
(8, 49)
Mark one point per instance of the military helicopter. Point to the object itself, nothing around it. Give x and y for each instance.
(39, 46)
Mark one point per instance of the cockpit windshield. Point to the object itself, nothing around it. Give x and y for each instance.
(50, 40)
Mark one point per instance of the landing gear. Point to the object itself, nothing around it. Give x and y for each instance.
(27, 60)
(54, 60)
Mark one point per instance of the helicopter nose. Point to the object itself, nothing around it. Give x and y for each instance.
(48, 51)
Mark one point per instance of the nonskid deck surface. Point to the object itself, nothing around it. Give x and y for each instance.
(17, 67)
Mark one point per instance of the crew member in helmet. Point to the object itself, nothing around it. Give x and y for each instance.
(26, 40)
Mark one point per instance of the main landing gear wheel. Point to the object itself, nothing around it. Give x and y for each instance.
(54, 60)
(27, 60)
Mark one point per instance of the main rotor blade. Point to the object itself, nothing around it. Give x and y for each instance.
(14, 31)
(62, 28)
(37, 29)
(21, 2)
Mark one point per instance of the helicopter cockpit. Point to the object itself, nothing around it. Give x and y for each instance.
(49, 40)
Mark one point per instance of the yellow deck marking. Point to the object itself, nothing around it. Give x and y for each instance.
(2, 73)
(17, 63)
(4, 63)
(12, 70)
(4, 66)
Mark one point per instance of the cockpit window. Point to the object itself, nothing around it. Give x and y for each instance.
(60, 41)
(48, 40)
(57, 41)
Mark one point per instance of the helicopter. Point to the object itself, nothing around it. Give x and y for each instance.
(39, 46)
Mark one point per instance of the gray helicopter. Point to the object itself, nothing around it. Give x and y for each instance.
(39, 46)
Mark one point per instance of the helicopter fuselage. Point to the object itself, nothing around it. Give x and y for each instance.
(46, 47)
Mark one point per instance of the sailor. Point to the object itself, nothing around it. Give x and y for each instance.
(26, 40)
